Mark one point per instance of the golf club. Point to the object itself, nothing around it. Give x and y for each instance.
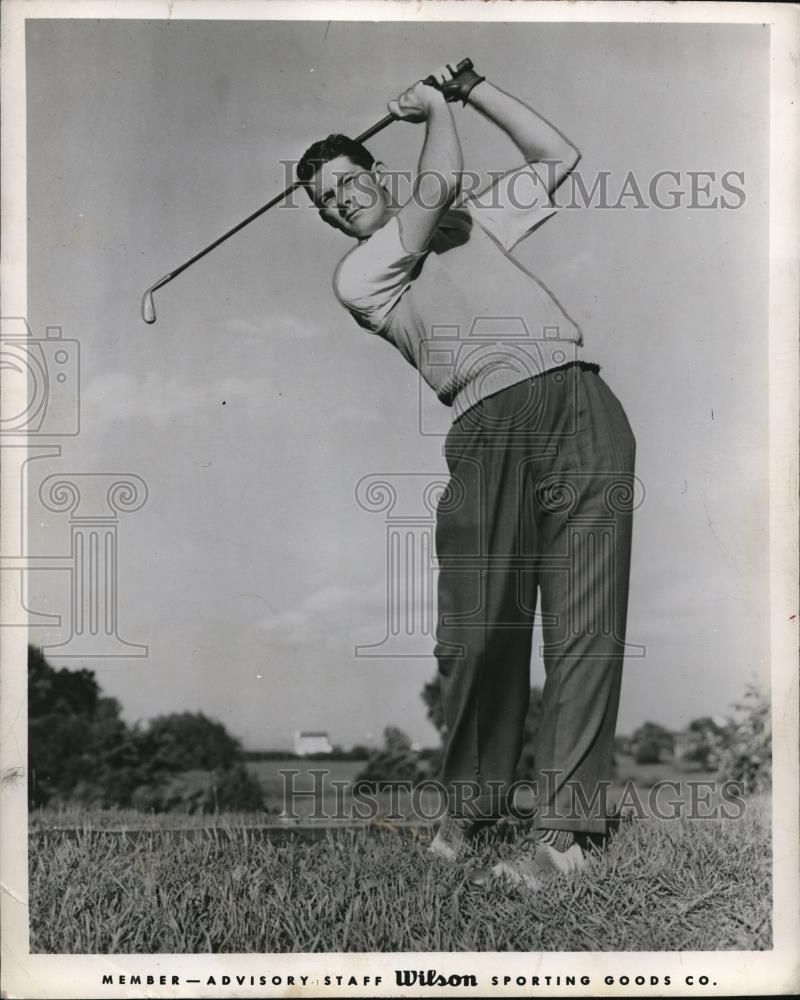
(148, 306)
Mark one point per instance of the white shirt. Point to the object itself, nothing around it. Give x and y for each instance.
(464, 312)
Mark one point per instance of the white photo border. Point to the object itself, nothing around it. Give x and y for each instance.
(732, 973)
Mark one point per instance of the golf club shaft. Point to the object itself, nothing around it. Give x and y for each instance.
(148, 306)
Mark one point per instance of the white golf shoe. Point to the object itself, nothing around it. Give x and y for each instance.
(533, 869)
(452, 838)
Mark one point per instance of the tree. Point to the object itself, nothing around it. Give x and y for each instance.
(747, 758)
(395, 761)
(182, 741)
(71, 692)
(75, 735)
(705, 739)
(193, 764)
(111, 764)
(81, 750)
(649, 741)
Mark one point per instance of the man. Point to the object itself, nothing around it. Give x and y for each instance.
(538, 447)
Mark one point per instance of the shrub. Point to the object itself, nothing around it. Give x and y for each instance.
(747, 757)
(183, 741)
(648, 751)
(397, 760)
(705, 740)
(81, 751)
(200, 791)
(649, 741)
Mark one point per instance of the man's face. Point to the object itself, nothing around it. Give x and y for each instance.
(350, 198)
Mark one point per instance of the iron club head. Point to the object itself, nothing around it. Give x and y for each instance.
(148, 307)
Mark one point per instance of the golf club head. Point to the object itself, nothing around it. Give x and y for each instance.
(148, 307)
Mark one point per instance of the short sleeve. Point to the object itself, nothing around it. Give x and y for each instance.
(371, 278)
(514, 205)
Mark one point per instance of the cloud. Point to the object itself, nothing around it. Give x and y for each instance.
(329, 607)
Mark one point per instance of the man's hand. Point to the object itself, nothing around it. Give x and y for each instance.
(455, 87)
(416, 103)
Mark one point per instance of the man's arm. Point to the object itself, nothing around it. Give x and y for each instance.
(539, 142)
(440, 164)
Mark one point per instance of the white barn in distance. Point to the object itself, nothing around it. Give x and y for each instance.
(311, 741)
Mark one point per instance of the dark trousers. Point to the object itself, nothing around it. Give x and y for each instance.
(540, 499)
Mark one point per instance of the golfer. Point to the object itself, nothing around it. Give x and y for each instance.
(540, 456)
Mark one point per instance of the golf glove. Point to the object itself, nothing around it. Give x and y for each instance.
(455, 87)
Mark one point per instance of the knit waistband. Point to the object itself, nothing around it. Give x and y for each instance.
(505, 379)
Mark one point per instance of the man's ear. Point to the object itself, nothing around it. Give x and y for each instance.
(379, 169)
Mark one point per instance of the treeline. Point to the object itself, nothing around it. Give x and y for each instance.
(734, 747)
(80, 751)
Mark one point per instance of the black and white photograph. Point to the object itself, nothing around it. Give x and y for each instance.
(399, 492)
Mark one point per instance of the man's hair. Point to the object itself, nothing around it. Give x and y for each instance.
(328, 149)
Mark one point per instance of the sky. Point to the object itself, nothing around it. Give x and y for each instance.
(255, 405)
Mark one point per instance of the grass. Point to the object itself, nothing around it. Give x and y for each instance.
(661, 886)
(74, 818)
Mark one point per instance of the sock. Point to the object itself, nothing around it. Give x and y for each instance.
(561, 840)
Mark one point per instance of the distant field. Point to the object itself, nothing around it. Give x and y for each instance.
(644, 776)
(274, 784)
(329, 803)
(663, 885)
(268, 774)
